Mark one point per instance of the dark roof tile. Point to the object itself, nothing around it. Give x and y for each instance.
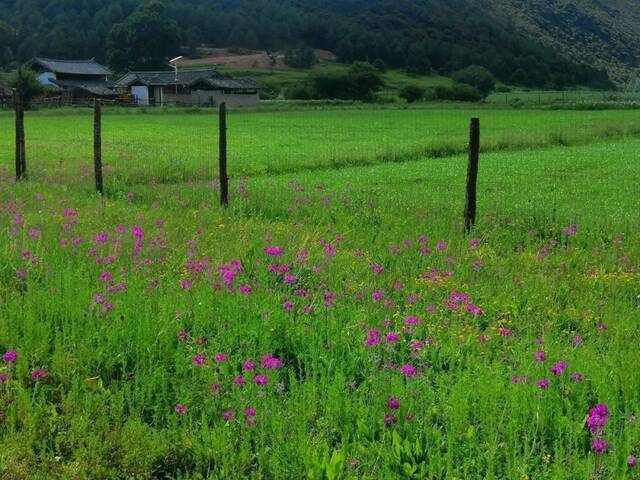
(72, 67)
(158, 79)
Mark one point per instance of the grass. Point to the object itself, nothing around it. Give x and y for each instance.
(117, 316)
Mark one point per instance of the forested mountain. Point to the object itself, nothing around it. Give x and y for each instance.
(506, 36)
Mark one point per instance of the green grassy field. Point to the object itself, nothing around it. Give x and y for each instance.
(335, 322)
(176, 147)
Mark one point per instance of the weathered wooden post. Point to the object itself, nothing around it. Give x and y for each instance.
(16, 108)
(224, 179)
(97, 145)
(472, 175)
(23, 148)
(21, 164)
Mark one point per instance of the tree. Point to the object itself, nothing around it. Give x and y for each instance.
(145, 39)
(26, 84)
(478, 77)
(364, 80)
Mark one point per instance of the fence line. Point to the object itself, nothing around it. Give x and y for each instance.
(286, 159)
(223, 178)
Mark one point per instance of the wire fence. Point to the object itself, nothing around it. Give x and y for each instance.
(563, 97)
(280, 159)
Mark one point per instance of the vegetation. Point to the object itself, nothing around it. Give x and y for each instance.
(420, 37)
(145, 40)
(334, 322)
(359, 82)
(459, 93)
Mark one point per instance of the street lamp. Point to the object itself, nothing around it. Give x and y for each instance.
(174, 65)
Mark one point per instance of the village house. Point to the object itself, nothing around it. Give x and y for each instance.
(73, 80)
(197, 88)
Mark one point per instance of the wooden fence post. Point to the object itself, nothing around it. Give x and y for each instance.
(472, 175)
(97, 145)
(21, 161)
(224, 179)
(23, 148)
(16, 108)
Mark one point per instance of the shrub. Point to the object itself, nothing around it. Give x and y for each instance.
(459, 93)
(298, 92)
(411, 93)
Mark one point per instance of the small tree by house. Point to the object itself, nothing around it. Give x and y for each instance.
(26, 84)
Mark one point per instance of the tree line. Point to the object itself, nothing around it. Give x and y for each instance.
(441, 36)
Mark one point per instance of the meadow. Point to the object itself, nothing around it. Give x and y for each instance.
(335, 322)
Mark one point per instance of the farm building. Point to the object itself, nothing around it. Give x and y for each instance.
(73, 80)
(204, 87)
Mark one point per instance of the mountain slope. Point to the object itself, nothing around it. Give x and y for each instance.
(604, 33)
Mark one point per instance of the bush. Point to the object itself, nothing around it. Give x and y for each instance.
(478, 77)
(299, 92)
(459, 93)
(411, 93)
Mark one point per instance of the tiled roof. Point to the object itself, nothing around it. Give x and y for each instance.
(158, 79)
(72, 67)
(231, 83)
(101, 89)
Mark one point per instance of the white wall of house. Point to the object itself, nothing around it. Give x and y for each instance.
(141, 94)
